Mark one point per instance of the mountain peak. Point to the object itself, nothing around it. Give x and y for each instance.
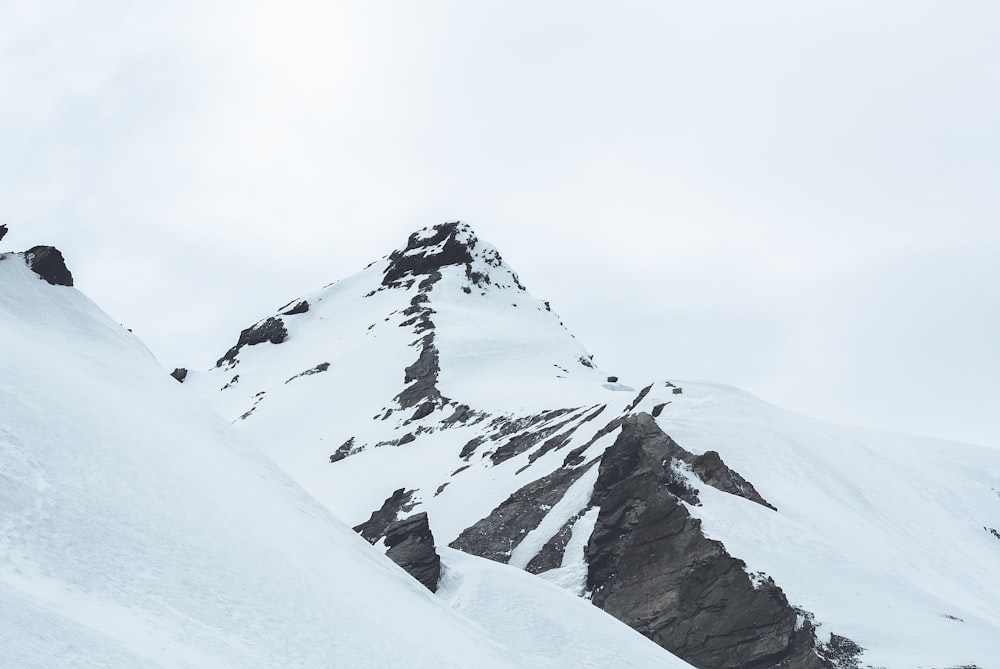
(450, 244)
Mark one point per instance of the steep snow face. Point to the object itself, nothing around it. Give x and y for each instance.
(137, 529)
(888, 539)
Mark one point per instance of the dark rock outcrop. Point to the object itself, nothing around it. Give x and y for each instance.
(299, 308)
(3, 231)
(343, 451)
(428, 254)
(495, 536)
(374, 528)
(270, 330)
(422, 376)
(48, 263)
(411, 546)
(318, 369)
(180, 374)
(651, 567)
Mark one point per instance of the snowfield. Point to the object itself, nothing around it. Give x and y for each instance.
(139, 529)
(883, 538)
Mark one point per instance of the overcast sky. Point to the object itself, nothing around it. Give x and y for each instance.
(801, 199)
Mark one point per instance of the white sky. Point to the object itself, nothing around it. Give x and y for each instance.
(797, 198)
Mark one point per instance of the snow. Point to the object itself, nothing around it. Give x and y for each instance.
(880, 536)
(138, 529)
(585, 637)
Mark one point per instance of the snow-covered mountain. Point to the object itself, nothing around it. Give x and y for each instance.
(729, 532)
(139, 529)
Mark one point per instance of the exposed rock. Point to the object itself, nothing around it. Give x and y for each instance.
(48, 263)
(180, 373)
(495, 536)
(374, 528)
(529, 439)
(343, 451)
(551, 555)
(3, 231)
(270, 330)
(423, 411)
(651, 567)
(677, 391)
(612, 379)
(411, 546)
(640, 397)
(470, 447)
(422, 376)
(712, 470)
(992, 531)
(318, 369)
(300, 308)
(658, 409)
(842, 652)
(424, 256)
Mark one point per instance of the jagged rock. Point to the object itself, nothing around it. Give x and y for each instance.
(842, 652)
(3, 231)
(423, 411)
(300, 308)
(551, 555)
(612, 379)
(495, 536)
(411, 546)
(651, 567)
(180, 374)
(427, 255)
(270, 330)
(374, 528)
(48, 263)
(318, 369)
(343, 451)
(422, 375)
(712, 470)
(658, 409)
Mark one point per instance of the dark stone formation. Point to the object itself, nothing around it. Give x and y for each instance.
(462, 414)
(374, 528)
(318, 369)
(712, 470)
(586, 361)
(343, 451)
(180, 374)
(612, 379)
(551, 444)
(575, 457)
(470, 447)
(411, 546)
(420, 257)
(48, 263)
(300, 308)
(658, 409)
(495, 536)
(551, 555)
(423, 411)
(270, 330)
(529, 439)
(3, 231)
(678, 391)
(992, 531)
(233, 381)
(422, 375)
(841, 652)
(640, 397)
(406, 439)
(651, 567)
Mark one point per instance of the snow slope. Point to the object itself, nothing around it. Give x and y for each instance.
(885, 539)
(138, 529)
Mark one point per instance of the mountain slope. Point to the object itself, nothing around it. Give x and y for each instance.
(138, 529)
(729, 532)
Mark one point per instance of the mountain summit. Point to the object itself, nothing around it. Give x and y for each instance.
(430, 400)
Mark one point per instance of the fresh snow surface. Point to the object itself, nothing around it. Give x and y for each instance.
(882, 536)
(138, 529)
(587, 638)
